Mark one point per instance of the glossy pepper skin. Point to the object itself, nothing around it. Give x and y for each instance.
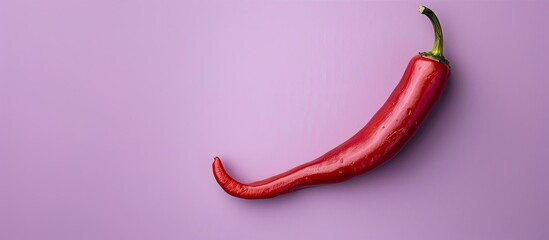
(383, 136)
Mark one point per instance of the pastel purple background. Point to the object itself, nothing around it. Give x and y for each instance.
(111, 112)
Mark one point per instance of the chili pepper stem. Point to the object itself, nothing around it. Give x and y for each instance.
(436, 53)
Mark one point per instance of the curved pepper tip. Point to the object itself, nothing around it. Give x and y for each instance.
(228, 184)
(219, 171)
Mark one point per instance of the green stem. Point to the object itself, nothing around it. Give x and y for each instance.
(436, 53)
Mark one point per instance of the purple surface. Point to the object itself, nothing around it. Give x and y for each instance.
(111, 112)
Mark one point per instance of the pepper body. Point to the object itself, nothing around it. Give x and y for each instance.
(383, 136)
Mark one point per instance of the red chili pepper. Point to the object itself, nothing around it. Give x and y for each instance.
(386, 133)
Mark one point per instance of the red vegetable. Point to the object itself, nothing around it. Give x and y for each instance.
(386, 133)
